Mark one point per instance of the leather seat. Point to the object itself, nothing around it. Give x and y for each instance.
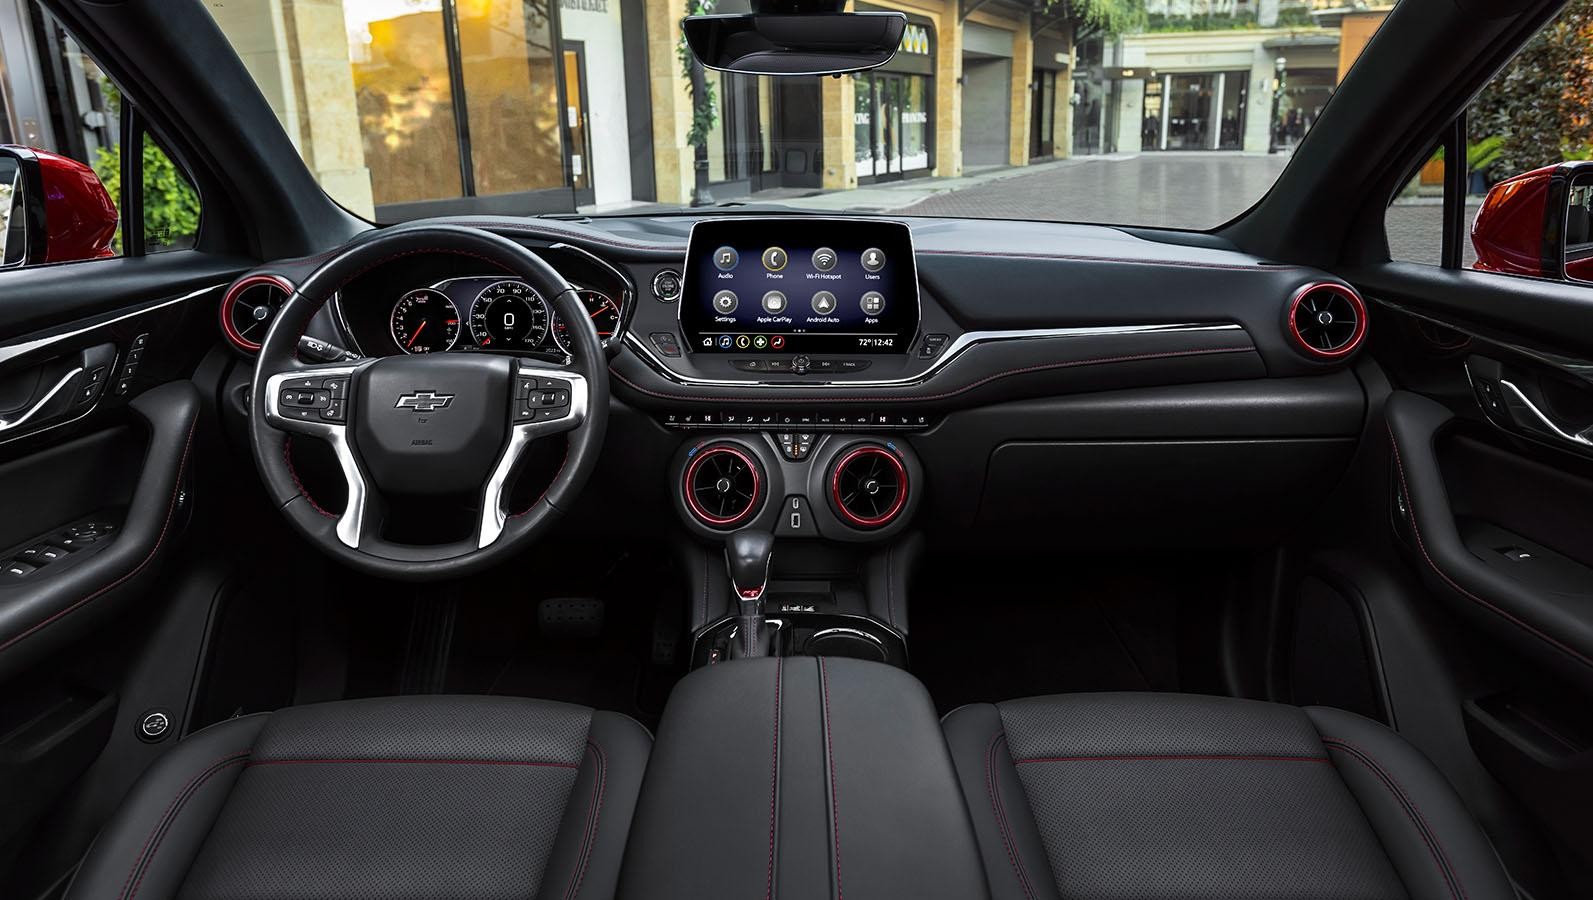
(1169, 796)
(436, 797)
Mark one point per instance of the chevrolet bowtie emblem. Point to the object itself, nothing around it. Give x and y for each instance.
(424, 401)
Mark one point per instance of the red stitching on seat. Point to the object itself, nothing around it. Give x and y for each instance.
(774, 779)
(994, 791)
(1412, 812)
(829, 749)
(920, 398)
(1197, 757)
(1410, 506)
(589, 840)
(158, 834)
(394, 761)
(160, 540)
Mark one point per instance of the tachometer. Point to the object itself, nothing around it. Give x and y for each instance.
(425, 321)
(603, 312)
(509, 315)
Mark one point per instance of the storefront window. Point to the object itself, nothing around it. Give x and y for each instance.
(405, 98)
(512, 93)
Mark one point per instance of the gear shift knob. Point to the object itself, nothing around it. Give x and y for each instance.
(748, 553)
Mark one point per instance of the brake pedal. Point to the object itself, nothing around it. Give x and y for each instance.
(570, 617)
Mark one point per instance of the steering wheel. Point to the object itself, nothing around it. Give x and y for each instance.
(428, 425)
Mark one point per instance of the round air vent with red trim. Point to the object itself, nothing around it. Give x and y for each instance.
(868, 486)
(1327, 320)
(249, 307)
(723, 486)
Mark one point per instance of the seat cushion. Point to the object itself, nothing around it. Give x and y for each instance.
(1151, 796)
(446, 797)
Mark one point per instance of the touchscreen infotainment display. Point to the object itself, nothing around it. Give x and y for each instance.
(799, 285)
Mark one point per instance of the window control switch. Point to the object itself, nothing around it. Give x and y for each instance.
(17, 568)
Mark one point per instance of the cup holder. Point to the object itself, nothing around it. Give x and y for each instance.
(851, 643)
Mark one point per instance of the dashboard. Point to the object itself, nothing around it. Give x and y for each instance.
(443, 303)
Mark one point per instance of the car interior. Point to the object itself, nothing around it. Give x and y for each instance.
(744, 550)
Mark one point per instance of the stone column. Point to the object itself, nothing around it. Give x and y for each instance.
(1022, 97)
(671, 99)
(297, 51)
(948, 93)
(839, 95)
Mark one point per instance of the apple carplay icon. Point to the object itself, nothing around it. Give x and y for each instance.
(824, 259)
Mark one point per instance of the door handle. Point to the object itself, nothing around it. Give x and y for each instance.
(44, 401)
(1535, 421)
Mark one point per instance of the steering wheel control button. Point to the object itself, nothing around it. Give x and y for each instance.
(725, 302)
(665, 343)
(666, 286)
(932, 344)
(873, 259)
(154, 726)
(873, 303)
(774, 303)
(726, 258)
(774, 259)
(335, 411)
(824, 303)
(824, 259)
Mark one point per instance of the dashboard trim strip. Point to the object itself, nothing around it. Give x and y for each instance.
(12, 351)
(964, 342)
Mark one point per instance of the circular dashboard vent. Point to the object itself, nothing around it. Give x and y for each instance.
(249, 307)
(868, 487)
(723, 486)
(1327, 320)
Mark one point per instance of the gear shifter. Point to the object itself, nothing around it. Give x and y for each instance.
(748, 553)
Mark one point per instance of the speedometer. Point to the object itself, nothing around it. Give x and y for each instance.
(509, 315)
(425, 321)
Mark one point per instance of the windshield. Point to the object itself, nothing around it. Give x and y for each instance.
(1166, 113)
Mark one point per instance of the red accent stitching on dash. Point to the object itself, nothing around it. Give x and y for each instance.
(158, 834)
(829, 750)
(1196, 757)
(774, 779)
(1421, 545)
(589, 840)
(994, 791)
(920, 398)
(1440, 859)
(287, 456)
(437, 762)
(160, 540)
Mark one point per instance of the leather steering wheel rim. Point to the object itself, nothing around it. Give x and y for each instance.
(269, 435)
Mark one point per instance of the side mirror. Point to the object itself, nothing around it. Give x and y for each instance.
(795, 37)
(1539, 223)
(54, 209)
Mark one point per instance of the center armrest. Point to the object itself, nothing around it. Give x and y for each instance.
(801, 777)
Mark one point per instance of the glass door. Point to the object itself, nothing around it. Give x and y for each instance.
(576, 123)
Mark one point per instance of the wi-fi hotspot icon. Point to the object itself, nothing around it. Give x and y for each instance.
(824, 259)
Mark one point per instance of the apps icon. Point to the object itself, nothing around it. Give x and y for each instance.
(725, 302)
(873, 259)
(774, 259)
(824, 259)
(726, 258)
(824, 303)
(873, 303)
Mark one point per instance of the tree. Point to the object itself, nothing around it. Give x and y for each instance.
(1540, 108)
(704, 107)
(1091, 17)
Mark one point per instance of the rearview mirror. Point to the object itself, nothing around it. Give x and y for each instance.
(795, 37)
(1539, 223)
(58, 211)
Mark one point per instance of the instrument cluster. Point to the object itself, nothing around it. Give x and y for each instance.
(492, 313)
